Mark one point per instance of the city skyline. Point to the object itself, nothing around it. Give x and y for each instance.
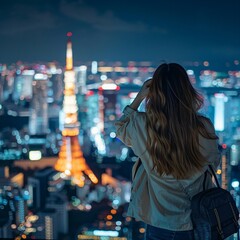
(65, 118)
(124, 31)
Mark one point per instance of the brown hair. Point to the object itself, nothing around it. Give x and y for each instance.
(173, 124)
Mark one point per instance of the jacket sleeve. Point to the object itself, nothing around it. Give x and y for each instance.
(125, 126)
(209, 147)
(130, 129)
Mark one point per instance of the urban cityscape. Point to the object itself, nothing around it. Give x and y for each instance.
(63, 173)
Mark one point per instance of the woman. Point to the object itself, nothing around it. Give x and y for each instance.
(174, 145)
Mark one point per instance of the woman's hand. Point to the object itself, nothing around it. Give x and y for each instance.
(141, 95)
(145, 89)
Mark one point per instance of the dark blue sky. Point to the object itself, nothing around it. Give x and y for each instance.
(152, 30)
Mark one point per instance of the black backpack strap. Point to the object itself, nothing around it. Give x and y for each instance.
(214, 175)
(204, 180)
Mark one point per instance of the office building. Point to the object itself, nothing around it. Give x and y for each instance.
(38, 121)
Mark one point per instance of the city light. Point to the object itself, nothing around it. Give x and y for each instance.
(235, 184)
(40, 76)
(109, 86)
(105, 233)
(94, 67)
(35, 155)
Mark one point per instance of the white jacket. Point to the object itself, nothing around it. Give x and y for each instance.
(161, 201)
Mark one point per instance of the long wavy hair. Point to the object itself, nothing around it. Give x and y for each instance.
(173, 122)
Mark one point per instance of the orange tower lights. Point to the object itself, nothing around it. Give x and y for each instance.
(71, 161)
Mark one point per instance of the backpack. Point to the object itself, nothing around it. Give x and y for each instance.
(214, 213)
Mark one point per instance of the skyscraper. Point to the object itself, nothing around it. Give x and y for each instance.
(34, 188)
(26, 84)
(21, 209)
(60, 206)
(38, 122)
(38, 188)
(55, 85)
(47, 222)
(81, 78)
(71, 161)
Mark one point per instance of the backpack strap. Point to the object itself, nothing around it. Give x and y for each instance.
(204, 180)
(212, 172)
(214, 175)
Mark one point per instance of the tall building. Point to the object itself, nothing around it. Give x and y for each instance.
(34, 192)
(47, 223)
(7, 82)
(38, 121)
(4, 172)
(81, 78)
(38, 188)
(5, 230)
(1, 84)
(18, 86)
(21, 209)
(235, 154)
(6, 208)
(25, 84)
(55, 85)
(60, 206)
(71, 161)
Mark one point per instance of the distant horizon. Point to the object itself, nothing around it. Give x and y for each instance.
(228, 64)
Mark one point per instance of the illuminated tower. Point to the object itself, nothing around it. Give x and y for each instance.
(71, 161)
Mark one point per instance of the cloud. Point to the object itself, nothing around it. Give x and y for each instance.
(106, 21)
(24, 18)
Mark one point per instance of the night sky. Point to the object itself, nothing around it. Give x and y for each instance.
(124, 30)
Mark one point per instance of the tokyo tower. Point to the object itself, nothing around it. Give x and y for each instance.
(70, 160)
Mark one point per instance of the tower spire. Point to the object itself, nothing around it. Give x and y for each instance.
(69, 55)
(71, 161)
